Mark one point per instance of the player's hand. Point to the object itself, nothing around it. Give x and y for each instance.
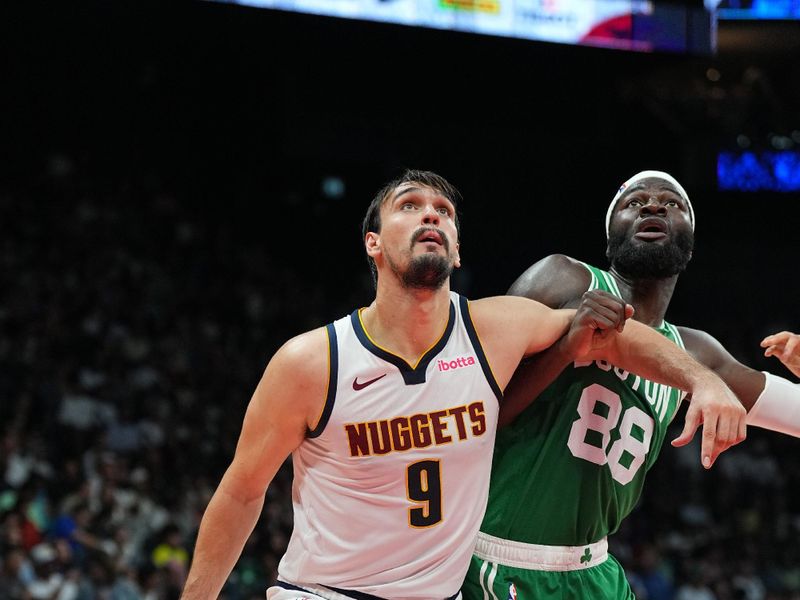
(785, 346)
(714, 406)
(599, 316)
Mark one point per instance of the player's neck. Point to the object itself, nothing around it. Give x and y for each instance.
(649, 297)
(407, 322)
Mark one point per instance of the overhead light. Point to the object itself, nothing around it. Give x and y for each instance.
(333, 187)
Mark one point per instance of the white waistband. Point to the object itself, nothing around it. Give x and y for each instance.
(536, 557)
(322, 592)
(317, 591)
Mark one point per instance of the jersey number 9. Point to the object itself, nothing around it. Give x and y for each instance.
(424, 485)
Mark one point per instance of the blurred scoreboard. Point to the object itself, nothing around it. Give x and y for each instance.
(640, 25)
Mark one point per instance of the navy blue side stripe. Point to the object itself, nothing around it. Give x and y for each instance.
(333, 380)
(476, 345)
(411, 376)
(352, 594)
(289, 586)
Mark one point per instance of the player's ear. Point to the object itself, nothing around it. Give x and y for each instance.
(457, 261)
(372, 243)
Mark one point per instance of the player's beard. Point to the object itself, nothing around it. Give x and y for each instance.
(650, 261)
(428, 271)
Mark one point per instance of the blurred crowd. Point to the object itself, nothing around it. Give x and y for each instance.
(135, 326)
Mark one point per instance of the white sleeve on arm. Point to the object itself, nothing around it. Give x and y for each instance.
(778, 406)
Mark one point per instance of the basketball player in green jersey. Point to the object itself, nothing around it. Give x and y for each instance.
(569, 467)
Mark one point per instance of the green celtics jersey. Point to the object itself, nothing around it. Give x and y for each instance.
(572, 466)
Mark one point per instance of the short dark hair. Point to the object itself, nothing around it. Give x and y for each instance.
(372, 220)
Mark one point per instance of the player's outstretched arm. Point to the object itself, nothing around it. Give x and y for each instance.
(560, 281)
(638, 349)
(290, 393)
(642, 350)
(785, 346)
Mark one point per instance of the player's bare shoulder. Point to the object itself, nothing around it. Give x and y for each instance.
(557, 280)
(305, 351)
(298, 373)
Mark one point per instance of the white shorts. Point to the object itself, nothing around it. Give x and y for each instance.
(278, 593)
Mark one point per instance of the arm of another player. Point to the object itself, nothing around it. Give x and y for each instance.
(559, 280)
(772, 402)
(599, 316)
(511, 328)
(511, 323)
(784, 346)
(642, 350)
(287, 400)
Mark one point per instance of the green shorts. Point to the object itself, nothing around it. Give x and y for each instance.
(492, 581)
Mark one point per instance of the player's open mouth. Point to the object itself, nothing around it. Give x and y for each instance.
(430, 236)
(651, 228)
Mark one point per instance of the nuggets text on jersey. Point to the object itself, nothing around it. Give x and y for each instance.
(417, 431)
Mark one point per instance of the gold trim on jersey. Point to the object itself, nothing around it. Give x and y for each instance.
(477, 335)
(377, 345)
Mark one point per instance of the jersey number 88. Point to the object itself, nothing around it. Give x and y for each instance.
(600, 410)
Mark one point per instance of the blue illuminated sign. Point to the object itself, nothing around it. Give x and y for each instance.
(775, 171)
(759, 9)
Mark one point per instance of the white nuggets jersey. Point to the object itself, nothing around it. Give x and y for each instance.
(390, 487)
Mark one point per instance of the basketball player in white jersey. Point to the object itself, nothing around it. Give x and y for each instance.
(390, 415)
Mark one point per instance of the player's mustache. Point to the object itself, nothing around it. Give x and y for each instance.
(423, 230)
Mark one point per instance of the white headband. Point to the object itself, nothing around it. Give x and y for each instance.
(650, 175)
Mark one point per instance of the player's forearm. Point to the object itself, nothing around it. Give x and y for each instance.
(227, 523)
(641, 350)
(778, 407)
(549, 325)
(530, 380)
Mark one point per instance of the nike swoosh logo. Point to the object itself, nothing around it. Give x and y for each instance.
(360, 386)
